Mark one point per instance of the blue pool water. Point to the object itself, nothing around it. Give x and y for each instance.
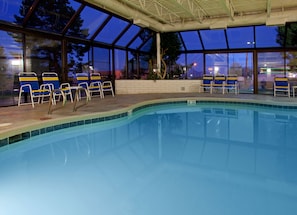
(208, 159)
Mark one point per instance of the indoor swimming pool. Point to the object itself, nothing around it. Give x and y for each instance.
(208, 158)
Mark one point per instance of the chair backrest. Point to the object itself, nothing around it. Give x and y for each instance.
(95, 77)
(281, 81)
(219, 79)
(231, 80)
(30, 78)
(207, 79)
(51, 78)
(82, 79)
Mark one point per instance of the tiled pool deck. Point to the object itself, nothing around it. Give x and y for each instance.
(17, 123)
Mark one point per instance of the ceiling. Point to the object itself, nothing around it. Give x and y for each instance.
(182, 15)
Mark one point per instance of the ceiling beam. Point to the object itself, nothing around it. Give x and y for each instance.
(268, 8)
(143, 8)
(228, 5)
(191, 8)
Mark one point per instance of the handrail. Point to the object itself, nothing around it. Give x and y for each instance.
(77, 89)
(77, 97)
(52, 100)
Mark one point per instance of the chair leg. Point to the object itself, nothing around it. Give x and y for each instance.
(20, 97)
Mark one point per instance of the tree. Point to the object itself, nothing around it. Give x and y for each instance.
(287, 37)
(170, 52)
(51, 16)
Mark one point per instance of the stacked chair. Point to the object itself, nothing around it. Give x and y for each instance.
(29, 85)
(94, 84)
(231, 84)
(206, 83)
(218, 83)
(82, 81)
(281, 84)
(58, 90)
(107, 87)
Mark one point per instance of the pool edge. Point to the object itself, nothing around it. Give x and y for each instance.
(27, 131)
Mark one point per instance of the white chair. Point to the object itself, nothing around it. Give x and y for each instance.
(57, 89)
(29, 84)
(231, 84)
(281, 84)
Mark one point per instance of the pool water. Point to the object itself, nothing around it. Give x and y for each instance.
(209, 159)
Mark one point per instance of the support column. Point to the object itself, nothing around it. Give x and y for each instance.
(158, 45)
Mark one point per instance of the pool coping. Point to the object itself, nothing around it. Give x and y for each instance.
(23, 132)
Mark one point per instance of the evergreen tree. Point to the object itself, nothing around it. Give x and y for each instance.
(51, 16)
(287, 37)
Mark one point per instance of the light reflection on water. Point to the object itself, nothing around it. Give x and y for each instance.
(202, 159)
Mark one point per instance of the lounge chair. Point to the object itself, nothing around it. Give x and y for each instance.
(95, 86)
(107, 87)
(82, 81)
(206, 83)
(218, 83)
(29, 84)
(52, 79)
(231, 84)
(281, 84)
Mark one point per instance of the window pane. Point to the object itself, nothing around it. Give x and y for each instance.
(240, 37)
(241, 64)
(8, 9)
(78, 60)
(148, 45)
(191, 40)
(102, 62)
(213, 39)
(87, 23)
(291, 64)
(52, 15)
(270, 64)
(110, 32)
(195, 66)
(120, 63)
(216, 64)
(136, 43)
(291, 35)
(127, 37)
(132, 66)
(43, 55)
(11, 63)
(143, 66)
(266, 36)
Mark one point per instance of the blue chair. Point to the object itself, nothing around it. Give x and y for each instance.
(58, 90)
(29, 84)
(281, 84)
(206, 83)
(218, 83)
(231, 84)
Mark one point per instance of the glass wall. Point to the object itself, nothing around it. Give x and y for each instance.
(68, 37)
(120, 64)
(11, 63)
(102, 62)
(270, 65)
(240, 64)
(43, 55)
